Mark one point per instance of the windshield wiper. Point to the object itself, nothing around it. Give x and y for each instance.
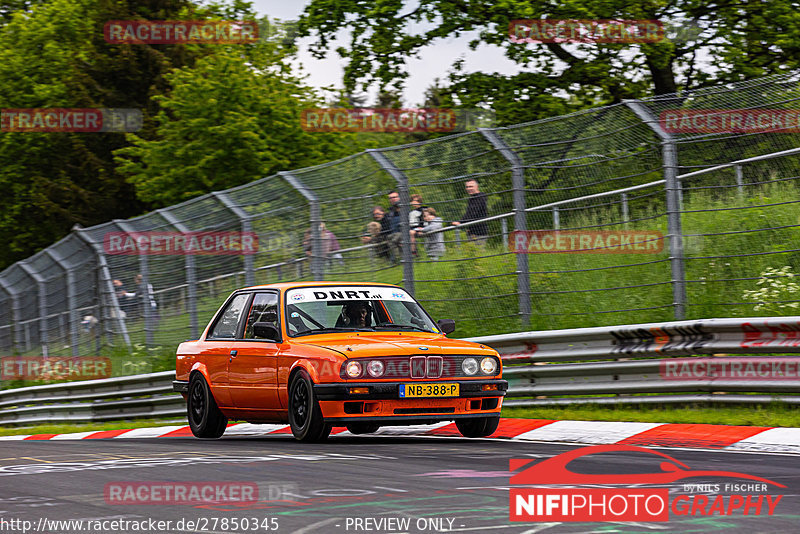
(393, 326)
(333, 329)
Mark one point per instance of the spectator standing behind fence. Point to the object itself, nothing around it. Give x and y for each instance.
(415, 220)
(378, 233)
(146, 297)
(329, 245)
(434, 243)
(125, 300)
(393, 215)
(476, 210)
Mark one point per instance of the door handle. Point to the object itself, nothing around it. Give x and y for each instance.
(234, 352)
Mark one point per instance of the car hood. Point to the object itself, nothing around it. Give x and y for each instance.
(368, 344)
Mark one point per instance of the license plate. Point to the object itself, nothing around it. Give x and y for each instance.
(428, 390)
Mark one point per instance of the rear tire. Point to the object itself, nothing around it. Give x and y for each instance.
(305, 416)
(362, 428)
(477, 427)
(205, 418)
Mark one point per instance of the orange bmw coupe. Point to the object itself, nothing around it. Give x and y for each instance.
(325, 354)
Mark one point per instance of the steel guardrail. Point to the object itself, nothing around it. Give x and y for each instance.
(544, 368)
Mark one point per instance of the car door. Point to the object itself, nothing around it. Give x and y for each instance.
(253, 363)
(219, 344)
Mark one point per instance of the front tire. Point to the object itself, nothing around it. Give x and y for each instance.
(205, 418)
(477, 427)
(305, 415)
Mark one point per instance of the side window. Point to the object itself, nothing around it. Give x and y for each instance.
(263, 310)
(227, 324)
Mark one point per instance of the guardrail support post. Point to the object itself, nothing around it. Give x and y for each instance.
(315, 218)
(191, 275)
(407, 260)
(520, 218)
(244, 218)
(674, 199)
(42, 298)
(105, 283)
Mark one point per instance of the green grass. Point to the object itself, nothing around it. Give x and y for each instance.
(768, 415)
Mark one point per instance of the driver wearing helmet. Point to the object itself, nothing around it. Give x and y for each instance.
(356, 314)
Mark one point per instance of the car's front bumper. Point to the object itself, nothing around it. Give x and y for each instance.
(383, 405)
(340, 391)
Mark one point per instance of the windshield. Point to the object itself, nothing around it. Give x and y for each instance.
(318, 310)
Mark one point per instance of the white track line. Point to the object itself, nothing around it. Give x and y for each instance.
(774, 439)
(152, 432)
(594, 432)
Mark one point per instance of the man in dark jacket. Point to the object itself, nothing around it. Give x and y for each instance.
(476, 210)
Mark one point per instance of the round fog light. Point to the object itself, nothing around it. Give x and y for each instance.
(375, 368)
(353, 369)
(488, 365)
(469, 366)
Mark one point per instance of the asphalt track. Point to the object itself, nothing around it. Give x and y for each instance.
(442, 484)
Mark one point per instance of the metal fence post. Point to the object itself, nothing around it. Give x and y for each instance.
(520, 220)
(401, 179)
(315, 218)
(191, 275)
(16, 315)
(739, 179)
(42, 302)
(626, 216)
(105, 282)
(244, 219)
(674, 199)
(72, 301)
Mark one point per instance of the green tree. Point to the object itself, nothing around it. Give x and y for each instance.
(53, 54)
(707, 42)
(232, 118)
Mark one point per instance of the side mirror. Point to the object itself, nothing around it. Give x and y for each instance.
(263, 330)
(446, 325)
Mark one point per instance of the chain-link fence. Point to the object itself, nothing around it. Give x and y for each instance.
(660, 213)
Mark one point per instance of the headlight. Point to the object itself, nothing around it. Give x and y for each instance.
(375, 368)
(469, 366)
(488, 365)
(353, 369)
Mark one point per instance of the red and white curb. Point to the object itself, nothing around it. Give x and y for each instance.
(701, 436)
